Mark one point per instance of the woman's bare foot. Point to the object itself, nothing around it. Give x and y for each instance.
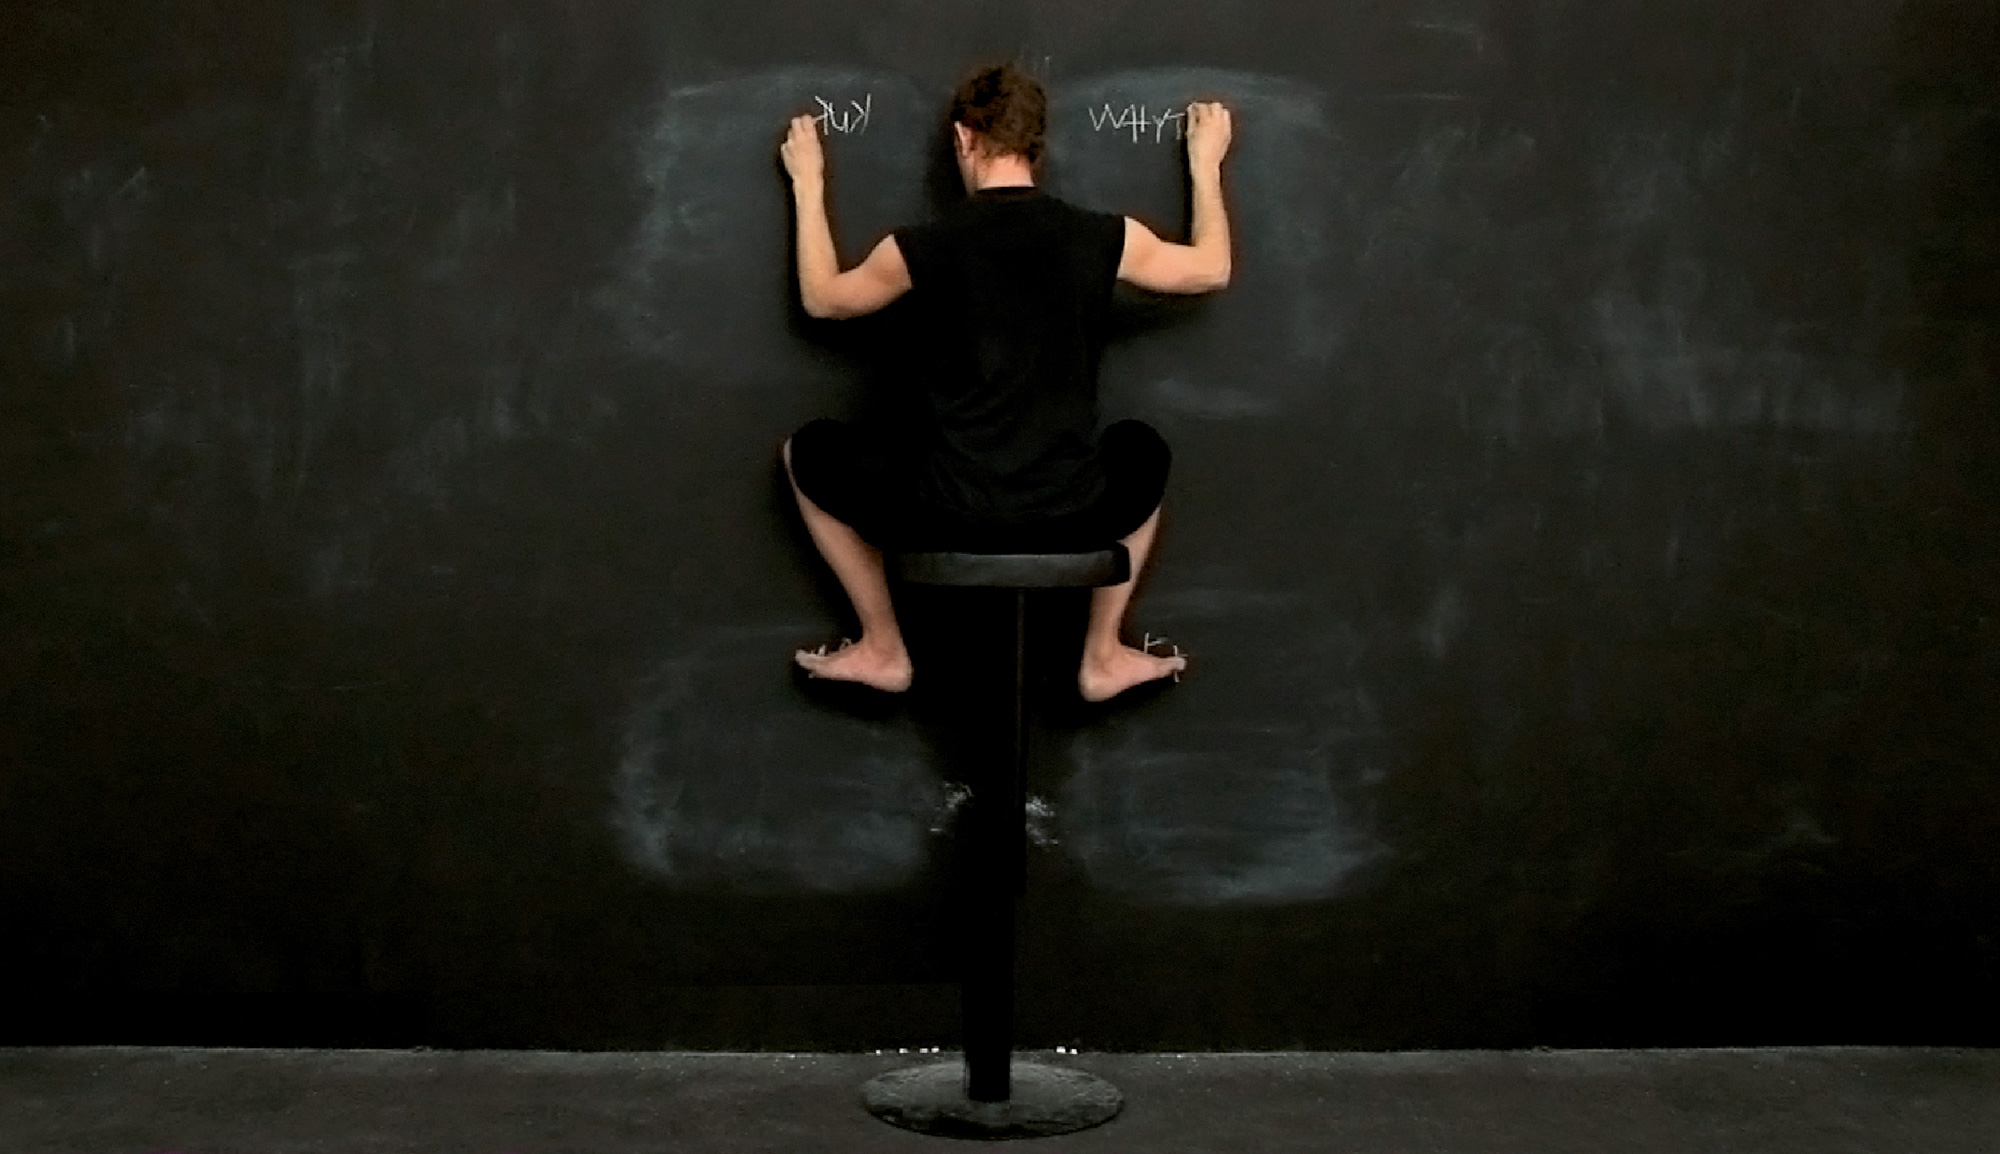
(875, 666)
(1104, 676)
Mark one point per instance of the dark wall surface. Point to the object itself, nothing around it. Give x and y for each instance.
(1583, 525)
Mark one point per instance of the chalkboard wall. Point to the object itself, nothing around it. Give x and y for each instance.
(1583, 525)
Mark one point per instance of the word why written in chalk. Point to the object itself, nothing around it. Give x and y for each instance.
(849, 121)
(1134, 118)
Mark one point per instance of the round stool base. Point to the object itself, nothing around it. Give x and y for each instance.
(1046, 1100)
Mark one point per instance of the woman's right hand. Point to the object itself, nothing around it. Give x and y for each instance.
(805, 161)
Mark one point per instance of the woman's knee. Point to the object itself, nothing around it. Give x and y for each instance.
(1133, 449)
(1136, 438)
(813, 441)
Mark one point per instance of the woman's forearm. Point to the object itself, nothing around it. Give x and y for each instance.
(818, 261)
(1210, 231)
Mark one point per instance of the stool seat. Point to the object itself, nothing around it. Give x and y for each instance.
(1111, 566)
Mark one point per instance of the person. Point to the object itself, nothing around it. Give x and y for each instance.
(1016, 285)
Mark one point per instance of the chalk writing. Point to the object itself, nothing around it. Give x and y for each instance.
(849, 121)
(1135, 118)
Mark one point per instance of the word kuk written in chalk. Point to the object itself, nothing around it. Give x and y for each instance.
(1135, 119)
(849, 121)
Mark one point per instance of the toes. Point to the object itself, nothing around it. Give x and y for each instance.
(843, 665)
(816, 659)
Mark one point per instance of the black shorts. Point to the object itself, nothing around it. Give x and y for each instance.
(859, 481)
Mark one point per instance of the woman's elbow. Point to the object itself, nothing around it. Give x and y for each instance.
(835, 301)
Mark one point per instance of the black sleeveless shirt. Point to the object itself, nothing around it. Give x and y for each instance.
(1013, 287)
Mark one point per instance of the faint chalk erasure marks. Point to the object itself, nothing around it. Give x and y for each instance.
(1291, 218)
(1679, 346)
(1212, 402)
(1467, 30)
(322, 292)
(724, 781)
(1237, 819)
(1268, 804)
(1672, 367)
(1444, 623)
(332, 78)
(697, 268)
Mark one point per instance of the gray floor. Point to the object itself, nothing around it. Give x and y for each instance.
(1825, 1101)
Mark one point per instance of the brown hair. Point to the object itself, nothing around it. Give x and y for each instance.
(1006, 106)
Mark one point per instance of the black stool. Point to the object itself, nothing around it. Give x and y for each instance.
(991, 1097)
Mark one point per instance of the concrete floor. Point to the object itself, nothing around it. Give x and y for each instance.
(1822, 1101)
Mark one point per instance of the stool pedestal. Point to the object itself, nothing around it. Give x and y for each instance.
(991, 1095)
